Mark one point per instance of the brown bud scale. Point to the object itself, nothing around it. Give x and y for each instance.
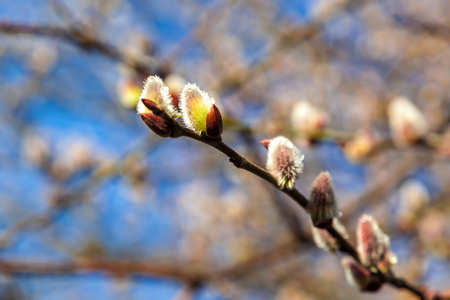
(266, 143)
(360, 277)
(151, 105)
(175, 100)
(156, 124)
(214, 125)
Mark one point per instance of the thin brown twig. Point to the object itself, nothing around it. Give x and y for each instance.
(378, 190)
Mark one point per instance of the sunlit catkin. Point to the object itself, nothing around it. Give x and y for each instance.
(199, 112)
(284, 161)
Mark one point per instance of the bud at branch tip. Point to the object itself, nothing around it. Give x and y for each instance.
(199, 111)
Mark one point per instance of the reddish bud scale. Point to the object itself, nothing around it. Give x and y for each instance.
(266, 143)
(151, 105)
(175, 100)
(214, 124)
(360, 277)
(156, 124)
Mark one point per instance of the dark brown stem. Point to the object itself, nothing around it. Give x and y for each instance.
(344, 244)
(401, 283)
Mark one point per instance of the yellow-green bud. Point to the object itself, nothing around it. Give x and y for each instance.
(199, 112)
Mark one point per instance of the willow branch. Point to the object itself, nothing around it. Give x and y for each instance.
(402, 284)
(242, 163)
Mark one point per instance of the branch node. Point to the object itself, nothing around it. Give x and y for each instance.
(236, 162)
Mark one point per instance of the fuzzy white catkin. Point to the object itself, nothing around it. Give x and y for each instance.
(284, 161)
(406, 121)
(373, 245)
(322, 202)
(195, 105)
(156, 91)
(306, 118)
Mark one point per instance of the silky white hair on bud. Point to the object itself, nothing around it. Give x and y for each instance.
(141, 108)
(406, 121)
(322, 203)
(284, 161)
(357, 276)
(373, 245)
(155, 90)
(195, 105)
(307, 119)
(324, 240)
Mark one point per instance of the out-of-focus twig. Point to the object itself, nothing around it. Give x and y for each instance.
(206, 22)
(70, 197)
(289, 36)
(414, 24)
(81, 39)
(101, 265)
(187, 292)
(377, 192)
